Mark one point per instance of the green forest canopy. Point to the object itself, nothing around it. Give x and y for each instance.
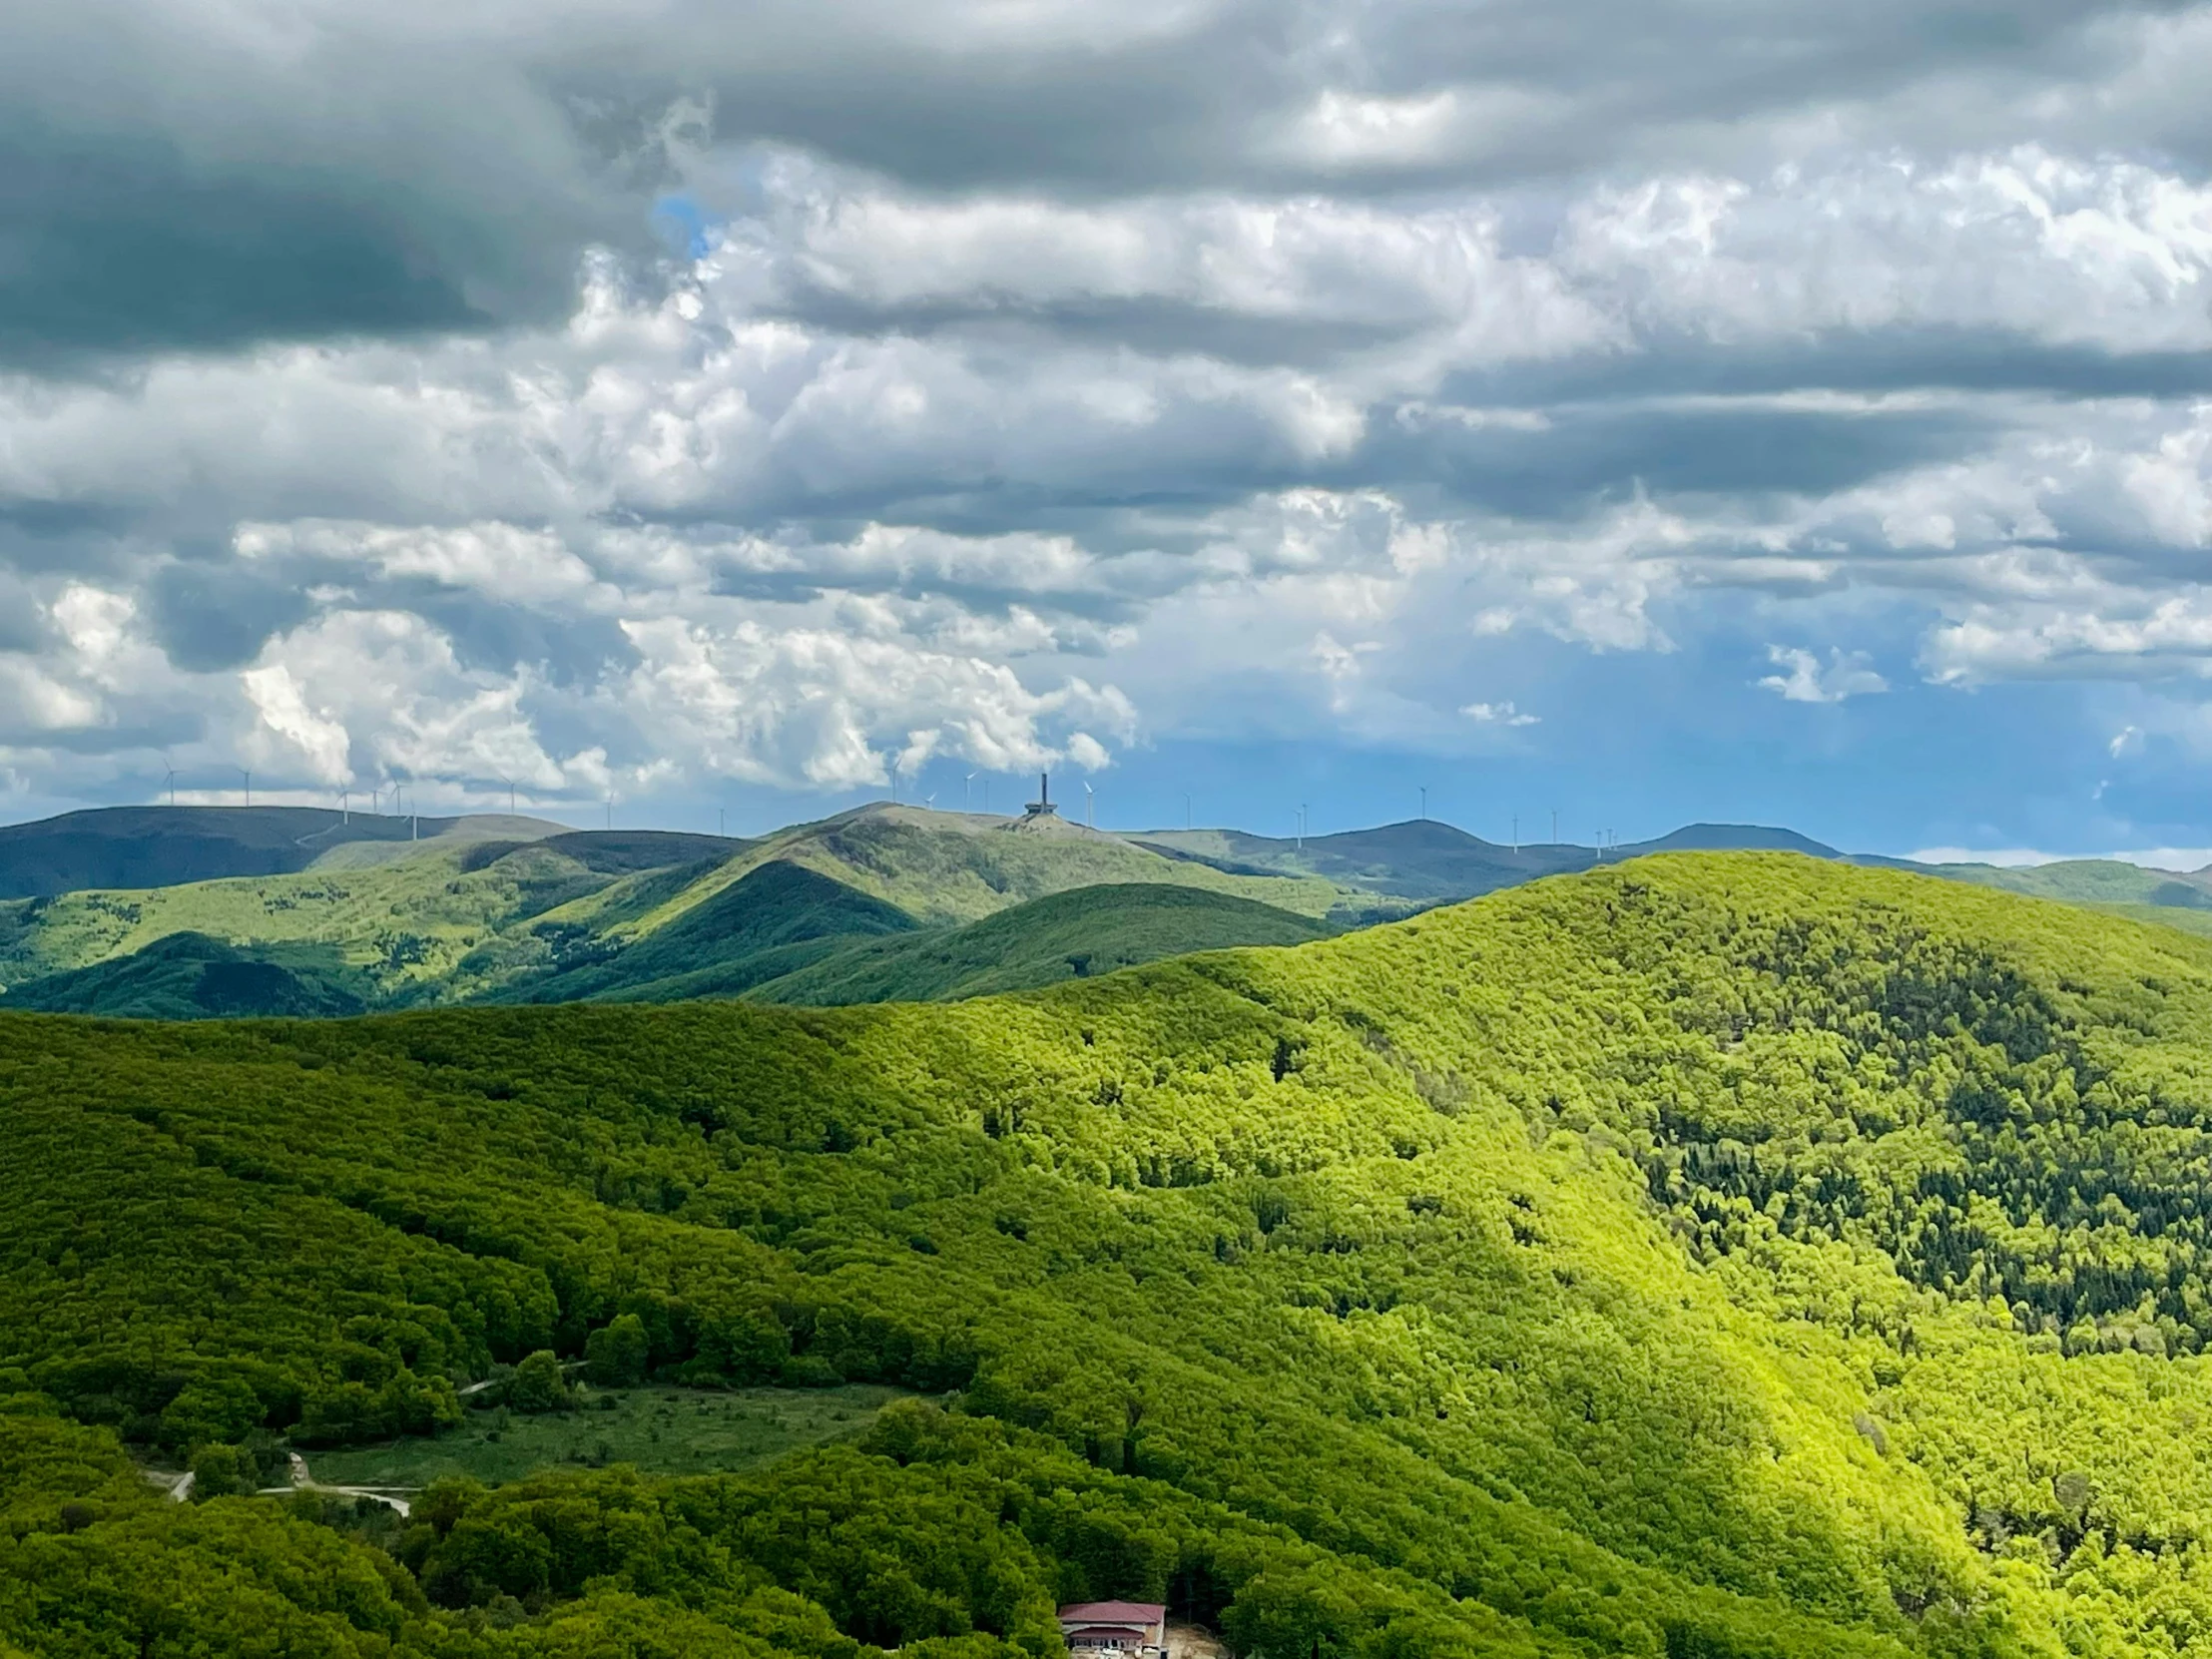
(1713, 1255)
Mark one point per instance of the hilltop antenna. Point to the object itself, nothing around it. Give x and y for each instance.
(721, 820)
(894, 782)
(1425, 803)
(1554, 826)
(1185, 809)
(1517, 834)
(248, 776)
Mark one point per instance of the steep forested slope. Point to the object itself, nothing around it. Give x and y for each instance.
(776, 918)
(190, 977)
(1707, 1256)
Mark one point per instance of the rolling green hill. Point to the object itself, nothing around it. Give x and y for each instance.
(1070, 935)
(1713, 1256)
(2092, 882)
(1425, 862)
(404, 923)
(159, 847)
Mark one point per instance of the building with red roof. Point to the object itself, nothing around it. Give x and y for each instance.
(1114, 1626)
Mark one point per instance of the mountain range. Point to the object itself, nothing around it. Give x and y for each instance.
(343, 913)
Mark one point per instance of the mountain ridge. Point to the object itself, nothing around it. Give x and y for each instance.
(146, 847)
(475, 914)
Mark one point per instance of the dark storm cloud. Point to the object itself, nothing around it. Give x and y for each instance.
(495, 637)
(1156, 325)
(1586, 455)
(1926, 357)
(174, 174)
(207, 617)
(1216, 101)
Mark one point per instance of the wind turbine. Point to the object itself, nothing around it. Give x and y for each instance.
(967, 792)
(929, 800)
(1517, 834)
(1090, 802)
(1301, 826)
(248, 776)
(1425, 803)
(345, 805)
(510, 783)
(1185, 809)
(169, 782)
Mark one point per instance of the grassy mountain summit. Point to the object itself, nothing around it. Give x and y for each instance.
(962, 866)
(1709, 1255)
(1728, 838)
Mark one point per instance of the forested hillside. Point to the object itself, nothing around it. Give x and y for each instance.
(192, 976)
(1707, 1256)
(1070, 935)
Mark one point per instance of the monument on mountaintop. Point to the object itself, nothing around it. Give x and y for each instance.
(1042, 807)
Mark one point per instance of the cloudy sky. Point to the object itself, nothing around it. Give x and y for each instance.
(1697, 410)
